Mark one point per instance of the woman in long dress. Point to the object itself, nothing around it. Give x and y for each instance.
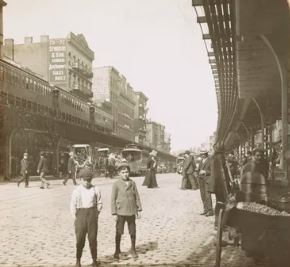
(147, 173)
(151, 170)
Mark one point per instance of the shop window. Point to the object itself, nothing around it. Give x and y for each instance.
(34, 107)
(11, 99)
(29, 105)
(27, 83)
(23, 103)
(18, 102)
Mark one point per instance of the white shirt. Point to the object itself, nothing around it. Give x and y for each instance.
(83, 197)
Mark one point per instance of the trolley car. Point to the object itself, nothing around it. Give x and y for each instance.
(136, 158)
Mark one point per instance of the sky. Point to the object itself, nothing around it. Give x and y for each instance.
(156, 44)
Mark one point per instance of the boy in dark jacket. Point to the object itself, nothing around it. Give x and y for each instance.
(126, 205)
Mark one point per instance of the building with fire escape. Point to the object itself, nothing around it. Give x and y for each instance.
(110, 86)
(63, 62)
(140, 114)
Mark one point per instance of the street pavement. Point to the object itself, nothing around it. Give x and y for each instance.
(37, 228)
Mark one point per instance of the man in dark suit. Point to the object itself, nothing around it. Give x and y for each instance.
(204, 172)
(71, 169)
(188, 171)
(42, 169)
(24, 170)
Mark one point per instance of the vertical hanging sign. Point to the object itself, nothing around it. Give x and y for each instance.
(57, 62)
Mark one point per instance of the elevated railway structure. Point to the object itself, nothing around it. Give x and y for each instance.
(248, 45)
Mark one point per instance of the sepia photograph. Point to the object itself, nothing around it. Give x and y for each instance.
(145, 133)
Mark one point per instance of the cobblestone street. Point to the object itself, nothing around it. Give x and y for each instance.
(37, 229)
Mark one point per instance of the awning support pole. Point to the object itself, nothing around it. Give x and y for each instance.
(281, 64)
(262, 120)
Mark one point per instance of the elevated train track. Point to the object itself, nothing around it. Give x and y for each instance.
(34, 109)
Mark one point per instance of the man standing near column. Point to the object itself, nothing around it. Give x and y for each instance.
(24, 170)
(71, 169)
(204, 178)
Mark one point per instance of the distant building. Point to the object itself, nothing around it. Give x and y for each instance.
(140, 113)
(110, 85)
(103, 115)
(156, 136)
(167, 143)
(64, 62)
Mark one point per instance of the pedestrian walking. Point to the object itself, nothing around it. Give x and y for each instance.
(71, 169)
(204, 179)
(24, 171)
(111, 165)
(86, 205)
(42, 169)
(188, 172)
(62, 170)
(126, 207)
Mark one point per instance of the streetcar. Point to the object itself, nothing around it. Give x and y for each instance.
(101, 160)
(136, 158)
(83, 155)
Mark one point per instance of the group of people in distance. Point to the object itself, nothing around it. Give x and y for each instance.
(221, 175)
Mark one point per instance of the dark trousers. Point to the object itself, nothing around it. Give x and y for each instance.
(72, 176)
(205, 195)
(86, 223)
(120, 230)
(189, 178)
(43, 180)
(120, 224)
(25, 177)
(111, 170)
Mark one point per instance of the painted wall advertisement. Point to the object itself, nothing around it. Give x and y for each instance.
(57, 61)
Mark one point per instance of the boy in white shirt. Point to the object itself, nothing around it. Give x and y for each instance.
(86, 204)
